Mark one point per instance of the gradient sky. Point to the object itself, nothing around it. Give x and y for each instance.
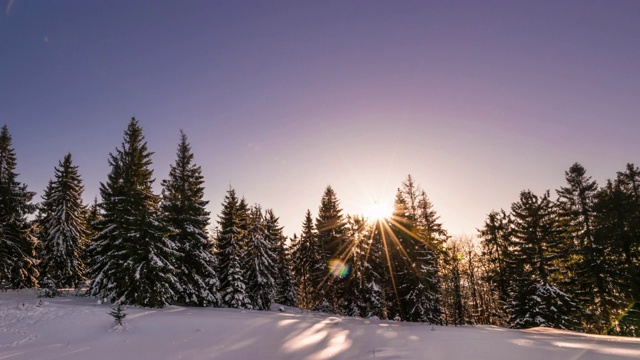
(478, 100)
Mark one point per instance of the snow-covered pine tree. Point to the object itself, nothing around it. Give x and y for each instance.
(131, 258)
(231, 252)
(93, 220)
(356, 231)
(64, 227)
(183, 209)
(17, 244)
(94, 215)
(379, 295)
(334, 247)
(429, 253)
(496, 240)
(285, 282)
(260, 263)
(307, 261)
(402, 271)
(535, 300)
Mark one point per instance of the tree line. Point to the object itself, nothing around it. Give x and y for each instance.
(572, 262)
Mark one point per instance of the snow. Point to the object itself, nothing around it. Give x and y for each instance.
(80, 328)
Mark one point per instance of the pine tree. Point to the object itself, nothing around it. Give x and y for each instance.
(355, 287)
(496, 240)
(118, 313)
(535, 300)
(260, 262)
(308, 264)
(403, 273)
(17, 243)
(94, 215)
(589, 277)
(454, 300)
(64, 227)
(183, 209)
(334, 247)
(231, 250)
(131, 258)
(285, 282)
(617, 233)
(429, 251)
(379, 294)
(420, 239)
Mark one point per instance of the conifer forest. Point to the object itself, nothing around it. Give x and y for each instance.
(567, 258)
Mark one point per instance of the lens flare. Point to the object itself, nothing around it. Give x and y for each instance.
(338, 268)
(620, 317)
(8, 7)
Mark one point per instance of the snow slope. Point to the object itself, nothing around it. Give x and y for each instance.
(80, 328)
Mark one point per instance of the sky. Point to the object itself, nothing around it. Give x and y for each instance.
(477, 100)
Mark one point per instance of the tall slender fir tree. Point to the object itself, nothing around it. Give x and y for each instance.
(131, 258)
(285, 282)
(535, 299)
(64, 227)
(18, 266)
(230, 248)
(260, 263)
(308, 264)
(183, 209)
(333, 244)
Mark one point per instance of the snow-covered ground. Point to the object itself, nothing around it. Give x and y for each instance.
(79, 328)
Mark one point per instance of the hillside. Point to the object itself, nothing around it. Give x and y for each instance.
(79, 328)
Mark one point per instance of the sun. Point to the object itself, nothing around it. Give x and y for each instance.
(378, 211)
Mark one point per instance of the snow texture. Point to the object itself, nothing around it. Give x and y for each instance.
(77, 328)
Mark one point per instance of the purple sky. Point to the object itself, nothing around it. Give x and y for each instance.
(476, 99)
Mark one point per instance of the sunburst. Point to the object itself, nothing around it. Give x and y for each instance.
(378, 211)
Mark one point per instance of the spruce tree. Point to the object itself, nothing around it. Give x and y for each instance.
(378, 293)
(421, 237)
(93, 221)
(589, 275)
(403, 273)
(618, 233)
(453, 288)
(64, 227)
(334, 247)
(535, 300)
(429, 251)
(183, 209)
(230, 248)
(357, 235)
(260, 263)
(131, 258)
(496, 240)
(94, 215)
(285, 282)
(308, 264)
(17, 243)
